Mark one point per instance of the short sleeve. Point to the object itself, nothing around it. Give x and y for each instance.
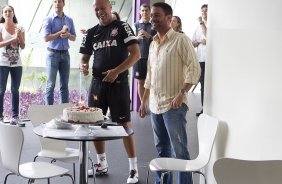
(46, 28)
(128, 34)
(86, 47)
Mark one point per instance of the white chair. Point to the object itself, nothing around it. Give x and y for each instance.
(234, 171)
(51, 148)
(11, 143)
(207, 128)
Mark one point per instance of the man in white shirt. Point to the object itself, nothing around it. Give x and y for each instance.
(173, 68)
(199, 41)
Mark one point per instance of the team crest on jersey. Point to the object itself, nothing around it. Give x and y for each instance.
(114, 32)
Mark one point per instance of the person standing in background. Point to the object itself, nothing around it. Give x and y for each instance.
(176, 24)
(199, 42)
(12, 39)
(115, 15)
(173, 68)
(58, 29)
(115, 49)
(144, 34)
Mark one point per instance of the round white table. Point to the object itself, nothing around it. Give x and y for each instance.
(91, 133)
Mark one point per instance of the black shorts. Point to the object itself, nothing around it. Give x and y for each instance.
(115, 95)
(140, 69)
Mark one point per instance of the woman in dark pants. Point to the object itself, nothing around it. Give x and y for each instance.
(12, 39)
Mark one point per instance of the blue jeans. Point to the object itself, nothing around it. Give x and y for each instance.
(171, 140)
(16, 76)
(57, 62)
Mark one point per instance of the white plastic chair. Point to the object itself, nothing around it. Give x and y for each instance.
(234, 171)
(207, 128)
(51, 148)
(11, 143)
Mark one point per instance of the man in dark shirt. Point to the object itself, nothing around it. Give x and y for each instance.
(115, 50)
(144, 34)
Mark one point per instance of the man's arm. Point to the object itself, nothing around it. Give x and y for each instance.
(195, 42)
(6, 42)
(84, 64)
(63, 33)
(203, 26)
(144, 101)
(72, 37)
(134, 56)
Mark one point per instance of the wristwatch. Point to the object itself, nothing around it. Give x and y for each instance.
(182, 91)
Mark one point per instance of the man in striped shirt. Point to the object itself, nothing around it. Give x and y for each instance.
(173, 68)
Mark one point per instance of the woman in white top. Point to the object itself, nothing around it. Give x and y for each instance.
(176, 24)
(12, 39)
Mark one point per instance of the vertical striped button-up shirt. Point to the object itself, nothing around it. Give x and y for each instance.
(171, 63)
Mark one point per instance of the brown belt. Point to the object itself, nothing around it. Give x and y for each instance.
(57, 51)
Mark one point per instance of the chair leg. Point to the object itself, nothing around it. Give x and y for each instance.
(162, 176)
(48, 180)
(70, 177)
(199, 172)
(6, 177)
(92, 167)
(148, 174)
(34, 160)
(195, 87)
(53, 160)
(30, 181)
(92, 163)
(73, 171)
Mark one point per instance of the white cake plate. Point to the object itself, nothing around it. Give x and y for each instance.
(84, 128)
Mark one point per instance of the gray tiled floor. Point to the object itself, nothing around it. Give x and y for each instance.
(115, 152)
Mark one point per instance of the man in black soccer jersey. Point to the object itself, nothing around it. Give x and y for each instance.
(115, 50)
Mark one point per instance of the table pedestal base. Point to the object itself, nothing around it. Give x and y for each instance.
(83, 162)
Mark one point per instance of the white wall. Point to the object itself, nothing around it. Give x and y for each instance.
(243, 76)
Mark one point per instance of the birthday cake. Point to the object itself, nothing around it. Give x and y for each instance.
(82, 115)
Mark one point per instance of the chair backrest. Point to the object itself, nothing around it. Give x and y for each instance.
(207, 128)
(43, 113)
(234, 171)
(11, 143)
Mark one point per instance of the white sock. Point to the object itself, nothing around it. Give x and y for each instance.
(132, 163)
(102, 159)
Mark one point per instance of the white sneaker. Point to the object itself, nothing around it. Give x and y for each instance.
(100, 169)
(133, 176)
(17, 121)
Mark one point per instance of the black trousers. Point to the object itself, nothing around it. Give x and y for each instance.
(202, 81)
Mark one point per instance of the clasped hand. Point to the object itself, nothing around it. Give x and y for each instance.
(64, 32)
(142, 33)
(111, 76)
